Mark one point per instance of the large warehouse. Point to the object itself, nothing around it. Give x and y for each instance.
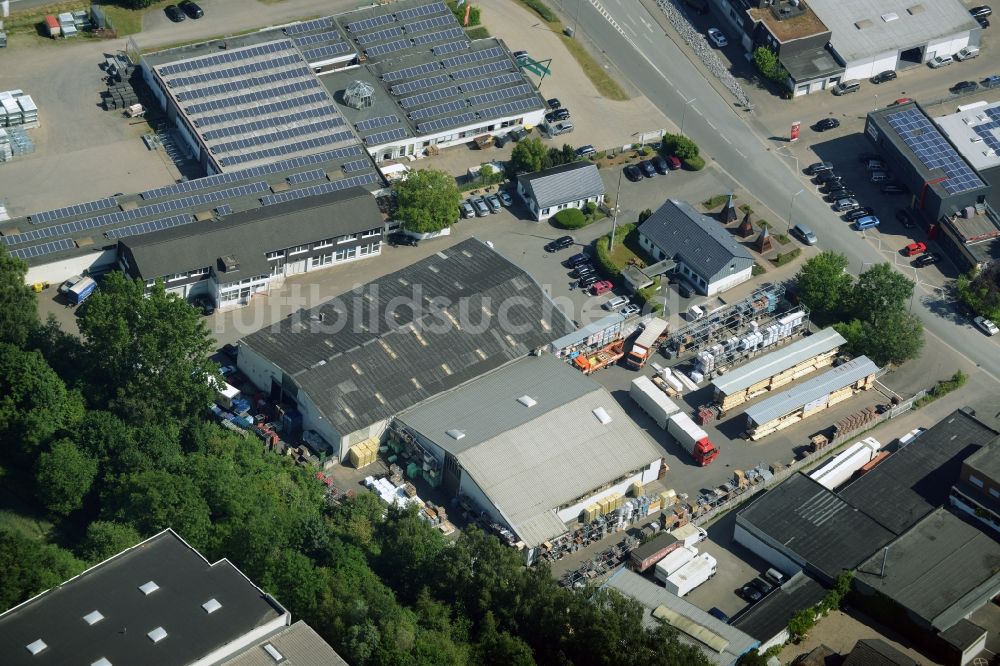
(350, 364)
(532, 444)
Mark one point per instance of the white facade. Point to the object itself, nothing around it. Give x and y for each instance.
(866, 68)
(700, 283)
(61, 270)
(766, 552)
(546, 213)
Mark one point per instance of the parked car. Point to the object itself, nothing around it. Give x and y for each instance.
(583, 271)
(819, 167)
(717, 38)
(648, 170)
(867, 222)
(684, 290)
(967, 53)
(982, 10)
(880, 177)
(615, 303)
(893, 189)
(751, 593)
(826, 124)
(578, 259)
(927, 259)
(804, 234)
(674, 162)
(399, 238)
(517, 134)
(901, 100)
(632, 173)
(494, 203)
(762, 585)
(174, 13)
(204, 304)
(774, 576)
(904, 218)
(986, 326)
(191, 8)
(846, 87)
(519, 56)
(718, 615)
(482, 210)
(68, 284)
(991, 81)
(584, 151)
(630, 310)
(586, 282)
(826, 176)
(602, 287)
(505, 198)
(662, 166)
(560, 243)
(561, 128)
(982, 21)
(839, 194)
(859, 213)
(940, 61)
(832, 186)
(963, 87)
(842, 205)
(883, 77)
(913, 249)
(557, 115)
(553, 103)
(467, 210)
(876, 165)
(500, 140)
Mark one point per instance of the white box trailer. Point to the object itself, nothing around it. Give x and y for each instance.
(674, 560)
(689, 534)
(839, 469)
(691, 575)
(652, 400)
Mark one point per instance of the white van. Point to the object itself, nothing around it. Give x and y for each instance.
(615, 303)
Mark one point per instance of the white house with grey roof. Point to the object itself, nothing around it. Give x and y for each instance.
(532, 444)
(571, 185)
(706, 254)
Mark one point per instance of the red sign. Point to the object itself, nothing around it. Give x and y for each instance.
(795, 130)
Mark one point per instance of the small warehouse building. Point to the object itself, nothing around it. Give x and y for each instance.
(721, 643)
(531, 444)
(706, 254)
(810, 397)
(977, 491)
(598, 333)
(767, 620)
(777, 368)
(572, 185)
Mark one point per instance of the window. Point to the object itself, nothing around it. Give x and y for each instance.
(323, 243)
(372, 233)
(545, 211)
(176, 276)
(298, 249)
(322, 260)
(198, 272)
(977, 482)
(994, 492)
(277, 254)
(347, 239)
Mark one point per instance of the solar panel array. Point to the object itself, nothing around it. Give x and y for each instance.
(274, 137)
(306, 176)
(439, 36)
(308, 144)
(44, 248)
(369, 24)
(72, 211)
(375, 123)
(309, 26)
(223, 209)
(312, 55)
(223, 58)
(242, 84)
(933, 150)
(147, 227)
(251, 97)
(314, 190)
(419, 84)
(356, 165)
(450, 121)
(439, 109)
(264, 109)
(508, 109)
(410, 72)
(429, 96)
(483, 70)
(492, 82)
(269, 123)
(380, 36)
(429, 24)
(242, 70)
(422, 10)
(385, 137)
(318, 38)
(502, 94)
(391, 47)
(988, 131)
(451, 47)
(474, 56)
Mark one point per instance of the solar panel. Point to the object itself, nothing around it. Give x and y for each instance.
(482, 70)
(223, 209)
(309, 26)
(148, 227)
(375, 123)
(450, 47)
(933, 150)
(271, 123)
(450, 121)
(369, 24)
(380, 36)
(273, 137)
(324, 188)
(233, 72)
(439, 36)
(332, 36)
(385, 137)
(72, 211)
(391, 47)
(284, 105)
(422, 10)
(510, 108)
(306, 176)
(356, 165)
(419, 84)
(427, 24)
(988, 131)
(502, 94)
(242, 84)
(438, 109)
(312, 55)
(474, 56)
(410, 72)
(44, 248)
(429, 96)
(252, 97)
(229, 56)
(286, 148)
(492, 82)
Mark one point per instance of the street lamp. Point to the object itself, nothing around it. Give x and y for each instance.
(788, 222)
(684, 111)
(614, 219)
(875, 108)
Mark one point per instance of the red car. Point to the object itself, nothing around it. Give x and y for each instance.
(914, 249)
(901, 100)
(602, 287)
(674, 162)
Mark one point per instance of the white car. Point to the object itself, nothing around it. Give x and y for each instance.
(986, 326)
(716, 37)
(629, 310)
(940, 61)
(968, 53)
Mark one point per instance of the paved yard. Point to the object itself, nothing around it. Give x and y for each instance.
(840, 631)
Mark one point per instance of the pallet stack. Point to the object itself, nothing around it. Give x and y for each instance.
(120, 76)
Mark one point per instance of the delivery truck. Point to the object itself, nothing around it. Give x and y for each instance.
(82, 290)
(691, 575)
(645, 344)
(653, 400)
(691, 437)
(674, 560)
(689, 534)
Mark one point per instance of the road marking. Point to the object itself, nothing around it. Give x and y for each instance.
(726, 139)
(709, 123)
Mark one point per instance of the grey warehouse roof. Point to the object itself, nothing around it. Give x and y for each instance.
(876, 652)
(777, 361)
(683, 233)
(363, 363)
(530, 460)
(862, 29)
(941, 570)
(962, 635)
(568, 182)
(186, 581)
(820, 528)
(986, 461)
(651, 596)
(298, 644)
(770, 617)
(976, 134)
(810, 390)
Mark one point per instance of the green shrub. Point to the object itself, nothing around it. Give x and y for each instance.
(679, 145)
(767, 64)
(696, 163)
(571, 218)
(745, 208)
(757, 269)
(645, 215)
(646, 298)
(477, 33)
(459, 12)
(717, 200)
(541, 9)
(785, 257)
(644, 151)
(943, 388)
(603, 254)
(590, 208)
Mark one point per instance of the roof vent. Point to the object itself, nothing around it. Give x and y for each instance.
(915, 9)
(602, 416)
(456, 434)
(157, 635)
(273, 651)
(862, 24)
(211, 606)
(36, 646)
(229, 263)
(93, 617)
(527, 401)
(148, 588)
(103, 661)
(891, 16)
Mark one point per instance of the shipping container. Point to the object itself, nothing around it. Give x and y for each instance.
(692, 438)
(653, 551)
(674, 560)
(81, 291)
(839, 469)
(652, 400)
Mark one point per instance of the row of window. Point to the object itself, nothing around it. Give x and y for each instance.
(345, 254)
(329, 242)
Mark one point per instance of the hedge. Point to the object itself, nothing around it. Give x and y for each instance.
(646, 298)
(696, 163)
(571, 218)
(541, 9)
(603, 256)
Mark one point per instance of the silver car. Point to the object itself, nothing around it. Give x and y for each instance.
(493, 203)
(482, 210)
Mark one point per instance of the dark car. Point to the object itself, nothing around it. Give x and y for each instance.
(964, 87)
(991, 81)
(927, 259)
(827, 176)
(718, 615)
(819, 167)
(859, 213)
(684, 290)
(191, 8)
(826, 124)
(583, 271)
(982, 10)
(762, 585)
(632, 173)
(674, 162)
(553, 103)
(501, 140)
(174, 13)
(905, 218)
(560, 243)
(588, 281)
(517, 134)
(402, 239)
(982, 21)
(577, 260)
(838, 194)
(751, 593)
(557, 116)
(204, 304)
(660, 164)
(893, 189)
(586, 151)
(832, 186)
(648, 169)
(882, 77)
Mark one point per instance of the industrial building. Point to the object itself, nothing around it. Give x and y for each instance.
(297, 644)
(767, 620)
(810, 397)
(345, 367)
(705, 253)
(975, 133)
(977, 491)
(532, 444)
(721, 643)
(572, 185)
(598, 333)
(777, 368)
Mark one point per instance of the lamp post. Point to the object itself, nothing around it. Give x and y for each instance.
(788, 222)
(614, 217)
(684, 111)
(875, 108)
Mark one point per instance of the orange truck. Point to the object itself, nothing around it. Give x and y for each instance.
(645, 344)
(602, 358)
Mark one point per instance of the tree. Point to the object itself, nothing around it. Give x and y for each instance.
(569, 154)
(896, 337)
(681, 146)
(105, 538)
(149, 352)
(428, 200)
(767, 64)
(499, 648)
(980, 290)
(801, 623)
(486, 173)
(63, 477)
(135, 4)
(645, 215)
(154, 500)
(28, 566)
(18, 316)
(570, 218)
(823, 286)
(879, 292)
(528, 156)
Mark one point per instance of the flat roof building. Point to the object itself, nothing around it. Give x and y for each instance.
(977, 491)
(297, 644)
(975, 133)
(767, 620)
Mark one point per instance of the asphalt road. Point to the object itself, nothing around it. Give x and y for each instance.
(632, 40)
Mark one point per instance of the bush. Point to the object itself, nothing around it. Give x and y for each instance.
(603, 254)
(571, 218)
(477, 33)
(541, 9)
(590, 208)
(459, 12)
(680, 145)
(644, 151)
(696, 163)
(646, 298)
(715, 201)
(645, 215)
(757, 270)
(785, 257)
(943, 388)
(768, 65)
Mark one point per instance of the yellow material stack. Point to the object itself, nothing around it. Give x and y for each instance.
(668, 498)
(591, 512)
(363, 454)
(636, 490)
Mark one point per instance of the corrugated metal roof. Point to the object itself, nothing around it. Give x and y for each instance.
(298, 644)
(777, 361)
(569, 182)
(581, 334)
(814, 389)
